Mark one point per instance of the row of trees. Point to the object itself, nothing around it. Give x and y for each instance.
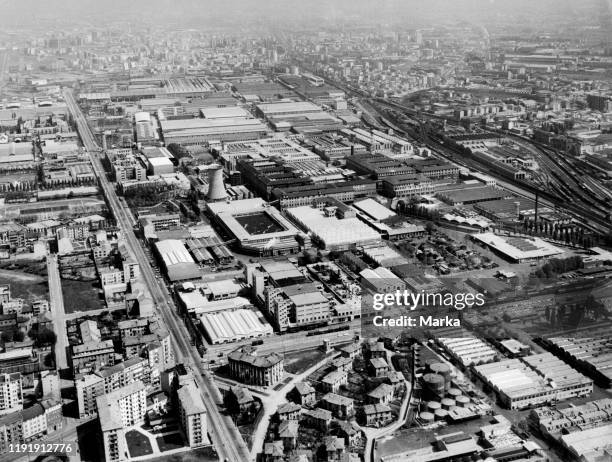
(42, 336)
(147, 195)
(12, 336)
(568, 233)
(555, 266)
(574, 315)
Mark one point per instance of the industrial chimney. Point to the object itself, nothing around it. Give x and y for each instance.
(216, 188)
(517, 208)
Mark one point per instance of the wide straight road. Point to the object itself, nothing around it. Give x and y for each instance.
(225, 436)
(56, 302)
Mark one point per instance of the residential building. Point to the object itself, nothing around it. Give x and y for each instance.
(11, 395)
(121, 408)
(192, 414)
(249, 367)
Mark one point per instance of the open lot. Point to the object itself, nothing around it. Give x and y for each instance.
(24, 285)
(81, 296)
(170, 442)
(138, 444)
(300, 361)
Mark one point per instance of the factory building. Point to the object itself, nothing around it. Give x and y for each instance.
(202, 131)
(303, 195)
(332, 225)
(534, 381)
(178, 263)
(517, 249)
(228, 326)
(258, 228)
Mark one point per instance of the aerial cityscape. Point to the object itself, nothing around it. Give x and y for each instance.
(318, 231)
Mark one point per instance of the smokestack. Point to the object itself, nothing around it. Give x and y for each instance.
(517, 207)
(216, 188)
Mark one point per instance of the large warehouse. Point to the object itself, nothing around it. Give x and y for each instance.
(231, 326)
(201, 131)
(468, 349)
(179, 265)
(534, 380)
(287, 108)
(258, 228)
(518, 249)
(331, 230)
(231, 112)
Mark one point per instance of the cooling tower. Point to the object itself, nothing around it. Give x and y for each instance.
(216, 188)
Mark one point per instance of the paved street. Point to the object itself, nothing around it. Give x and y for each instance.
(226, 438)
(57, 311)
(272, 401)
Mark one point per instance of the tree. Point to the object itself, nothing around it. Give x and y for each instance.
(333, 255)
(6, 336)
(43, 337)
(178, 151)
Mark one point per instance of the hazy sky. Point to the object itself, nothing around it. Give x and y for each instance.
(32, 12)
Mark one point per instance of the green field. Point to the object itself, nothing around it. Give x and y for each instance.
(81, 296)
(25, 285)
(138, 444)
(296, 363)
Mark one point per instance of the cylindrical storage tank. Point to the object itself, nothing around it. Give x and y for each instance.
(434, 384)
(216, 188)
(453, 392)
(440, 414)
(447, 403)
(426, 417)
(428, 362)
(462, 401)
(442, 369)
(433, 406)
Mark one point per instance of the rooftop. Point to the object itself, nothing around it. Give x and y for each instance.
(191, 399)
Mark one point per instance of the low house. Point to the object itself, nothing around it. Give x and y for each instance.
(376, 415)
(382, 394)
(340, 406)
(289, 411)
(377, 350)
(349, 432)
(274, 452)
(318, 418)
(239, 400)
(342, 364)
(378, 367)
(331, 382)
(288, 433)
(157, 401)
(303, 394)
(395, 379)
(332, 448)
(351, 351)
